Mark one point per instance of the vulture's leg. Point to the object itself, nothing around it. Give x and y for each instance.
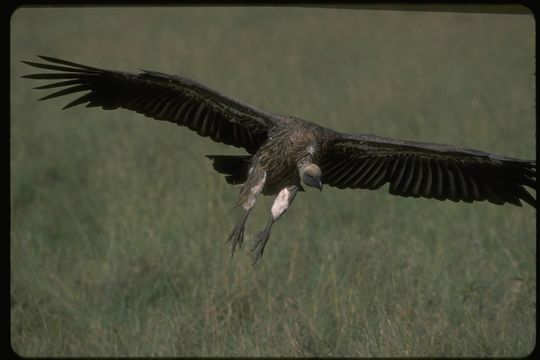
(247, 198)
(237, 234)
(280, 205)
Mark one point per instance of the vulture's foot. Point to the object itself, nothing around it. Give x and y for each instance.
(236, 237)
(259, 243)
(237, 234)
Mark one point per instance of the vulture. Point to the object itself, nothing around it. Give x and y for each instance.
(284, 152)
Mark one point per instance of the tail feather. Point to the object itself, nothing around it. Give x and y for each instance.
(234, 166)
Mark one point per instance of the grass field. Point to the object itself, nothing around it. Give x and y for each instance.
(118, 222)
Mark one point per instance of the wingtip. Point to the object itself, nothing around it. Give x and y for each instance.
(31, 63)
(29, 76)
(47, 58)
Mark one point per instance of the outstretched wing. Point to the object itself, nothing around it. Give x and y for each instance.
(162, 97)
(426, 170)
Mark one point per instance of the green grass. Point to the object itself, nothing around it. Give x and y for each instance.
(118, 222)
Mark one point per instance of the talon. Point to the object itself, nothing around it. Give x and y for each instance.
(237, 234)
(237, 237)
(260, 241)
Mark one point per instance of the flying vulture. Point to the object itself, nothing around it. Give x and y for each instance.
(284, 151)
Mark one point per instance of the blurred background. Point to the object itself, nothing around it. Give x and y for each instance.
(119, 222)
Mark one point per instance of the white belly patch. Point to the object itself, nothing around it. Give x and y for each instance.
(280, 204)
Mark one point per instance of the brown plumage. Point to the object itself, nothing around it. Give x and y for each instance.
(285, 151)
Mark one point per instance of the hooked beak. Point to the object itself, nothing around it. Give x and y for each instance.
(319, 185)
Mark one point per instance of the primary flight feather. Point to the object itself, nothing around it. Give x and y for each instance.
(285, 151)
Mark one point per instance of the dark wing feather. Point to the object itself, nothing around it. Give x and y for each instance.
(160, 96)
(426, 170)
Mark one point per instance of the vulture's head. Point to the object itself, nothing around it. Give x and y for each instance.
(311, 176)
